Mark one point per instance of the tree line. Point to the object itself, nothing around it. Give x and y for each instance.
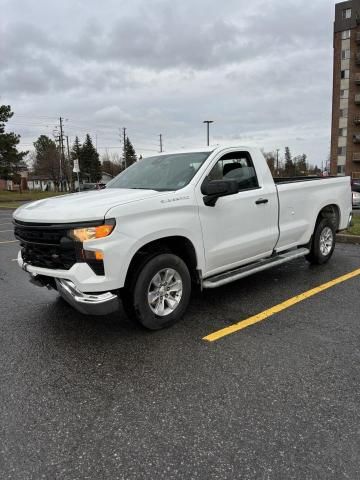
(289, 166)
(46, 160)
(49, 160)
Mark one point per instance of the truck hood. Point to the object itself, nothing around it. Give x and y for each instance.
(80, 207)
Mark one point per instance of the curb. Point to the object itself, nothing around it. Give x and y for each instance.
(352, 239)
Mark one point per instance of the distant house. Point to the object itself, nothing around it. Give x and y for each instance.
(105, 177)
(44, 184)
(12, 185)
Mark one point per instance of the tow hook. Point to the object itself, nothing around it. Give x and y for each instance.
(40, 281)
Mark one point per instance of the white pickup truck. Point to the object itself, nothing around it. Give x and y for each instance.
(170, 222)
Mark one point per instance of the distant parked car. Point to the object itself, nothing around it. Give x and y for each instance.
(85, 187)
(355, 187)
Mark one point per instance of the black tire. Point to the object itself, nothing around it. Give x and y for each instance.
(317, 255)
(135, 296)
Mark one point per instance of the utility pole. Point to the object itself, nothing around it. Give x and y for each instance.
(161, 143)
(69, 161)
(208, 130)
(277, 161)
(61, 153)
(124, 136)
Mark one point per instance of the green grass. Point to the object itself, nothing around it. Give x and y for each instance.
(10, 205)
(26, 196)
(355, 229)
(15, 199)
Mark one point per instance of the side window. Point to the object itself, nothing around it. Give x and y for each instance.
(236, 166)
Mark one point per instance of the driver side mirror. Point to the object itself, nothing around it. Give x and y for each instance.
(215, 189)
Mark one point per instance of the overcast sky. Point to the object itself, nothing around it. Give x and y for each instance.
(262, 70)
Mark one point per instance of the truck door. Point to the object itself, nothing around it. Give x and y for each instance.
(241, 227)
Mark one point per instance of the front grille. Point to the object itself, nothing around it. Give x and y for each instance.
(46, 246)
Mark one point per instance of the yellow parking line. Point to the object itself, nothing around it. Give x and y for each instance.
(10, 241)
(278, 308)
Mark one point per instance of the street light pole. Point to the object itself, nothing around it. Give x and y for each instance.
(208, 130)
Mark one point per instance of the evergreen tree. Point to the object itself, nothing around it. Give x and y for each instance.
(289, 164)
(75, 149)
(90, 165)
(11, 161)
(130, 153)
(47, 159)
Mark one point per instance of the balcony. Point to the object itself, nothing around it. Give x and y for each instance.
(357, 99)
(356, 138)
(357, 59)
(358, 38)
(356, 157)
(357, 79)
(357, 119)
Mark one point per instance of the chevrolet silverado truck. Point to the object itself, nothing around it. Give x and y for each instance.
(176, 221)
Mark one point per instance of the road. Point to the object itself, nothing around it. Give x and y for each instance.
(96, 398)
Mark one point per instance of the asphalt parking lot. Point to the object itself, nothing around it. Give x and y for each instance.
(96, 398)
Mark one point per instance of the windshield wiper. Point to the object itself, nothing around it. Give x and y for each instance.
(142, 188)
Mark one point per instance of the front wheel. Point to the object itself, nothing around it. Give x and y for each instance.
(323, 242)
(160, 293)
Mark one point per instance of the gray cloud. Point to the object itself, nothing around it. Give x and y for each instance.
(261, 70)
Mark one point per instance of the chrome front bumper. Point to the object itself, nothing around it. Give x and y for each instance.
(87, 303)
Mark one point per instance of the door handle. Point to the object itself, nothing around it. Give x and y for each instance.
(261, 201)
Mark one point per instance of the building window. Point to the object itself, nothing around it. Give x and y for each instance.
(342, 132)
(344, 112)
(345, 74)
(345, 34)
(346, 13)
(345, 54)
(341, 151)
(341, 169)
(344, 93)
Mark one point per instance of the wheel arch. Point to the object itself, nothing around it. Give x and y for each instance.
(331, 211)
(176, 244)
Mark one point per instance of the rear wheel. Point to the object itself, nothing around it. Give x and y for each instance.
(159, 293)
(323, 242)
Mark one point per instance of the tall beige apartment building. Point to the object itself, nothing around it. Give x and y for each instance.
(345, 130)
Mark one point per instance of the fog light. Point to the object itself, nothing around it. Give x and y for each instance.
(99, 255)
(95, 261)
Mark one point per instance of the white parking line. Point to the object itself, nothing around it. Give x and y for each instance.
(7, 223)
(3, 231)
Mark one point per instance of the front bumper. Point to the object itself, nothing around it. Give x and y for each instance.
(87, 303)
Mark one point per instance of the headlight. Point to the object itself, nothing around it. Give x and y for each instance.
(92, 233)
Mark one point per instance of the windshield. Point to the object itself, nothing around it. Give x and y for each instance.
(161, 173)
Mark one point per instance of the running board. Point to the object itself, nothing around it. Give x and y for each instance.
(242, 272)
